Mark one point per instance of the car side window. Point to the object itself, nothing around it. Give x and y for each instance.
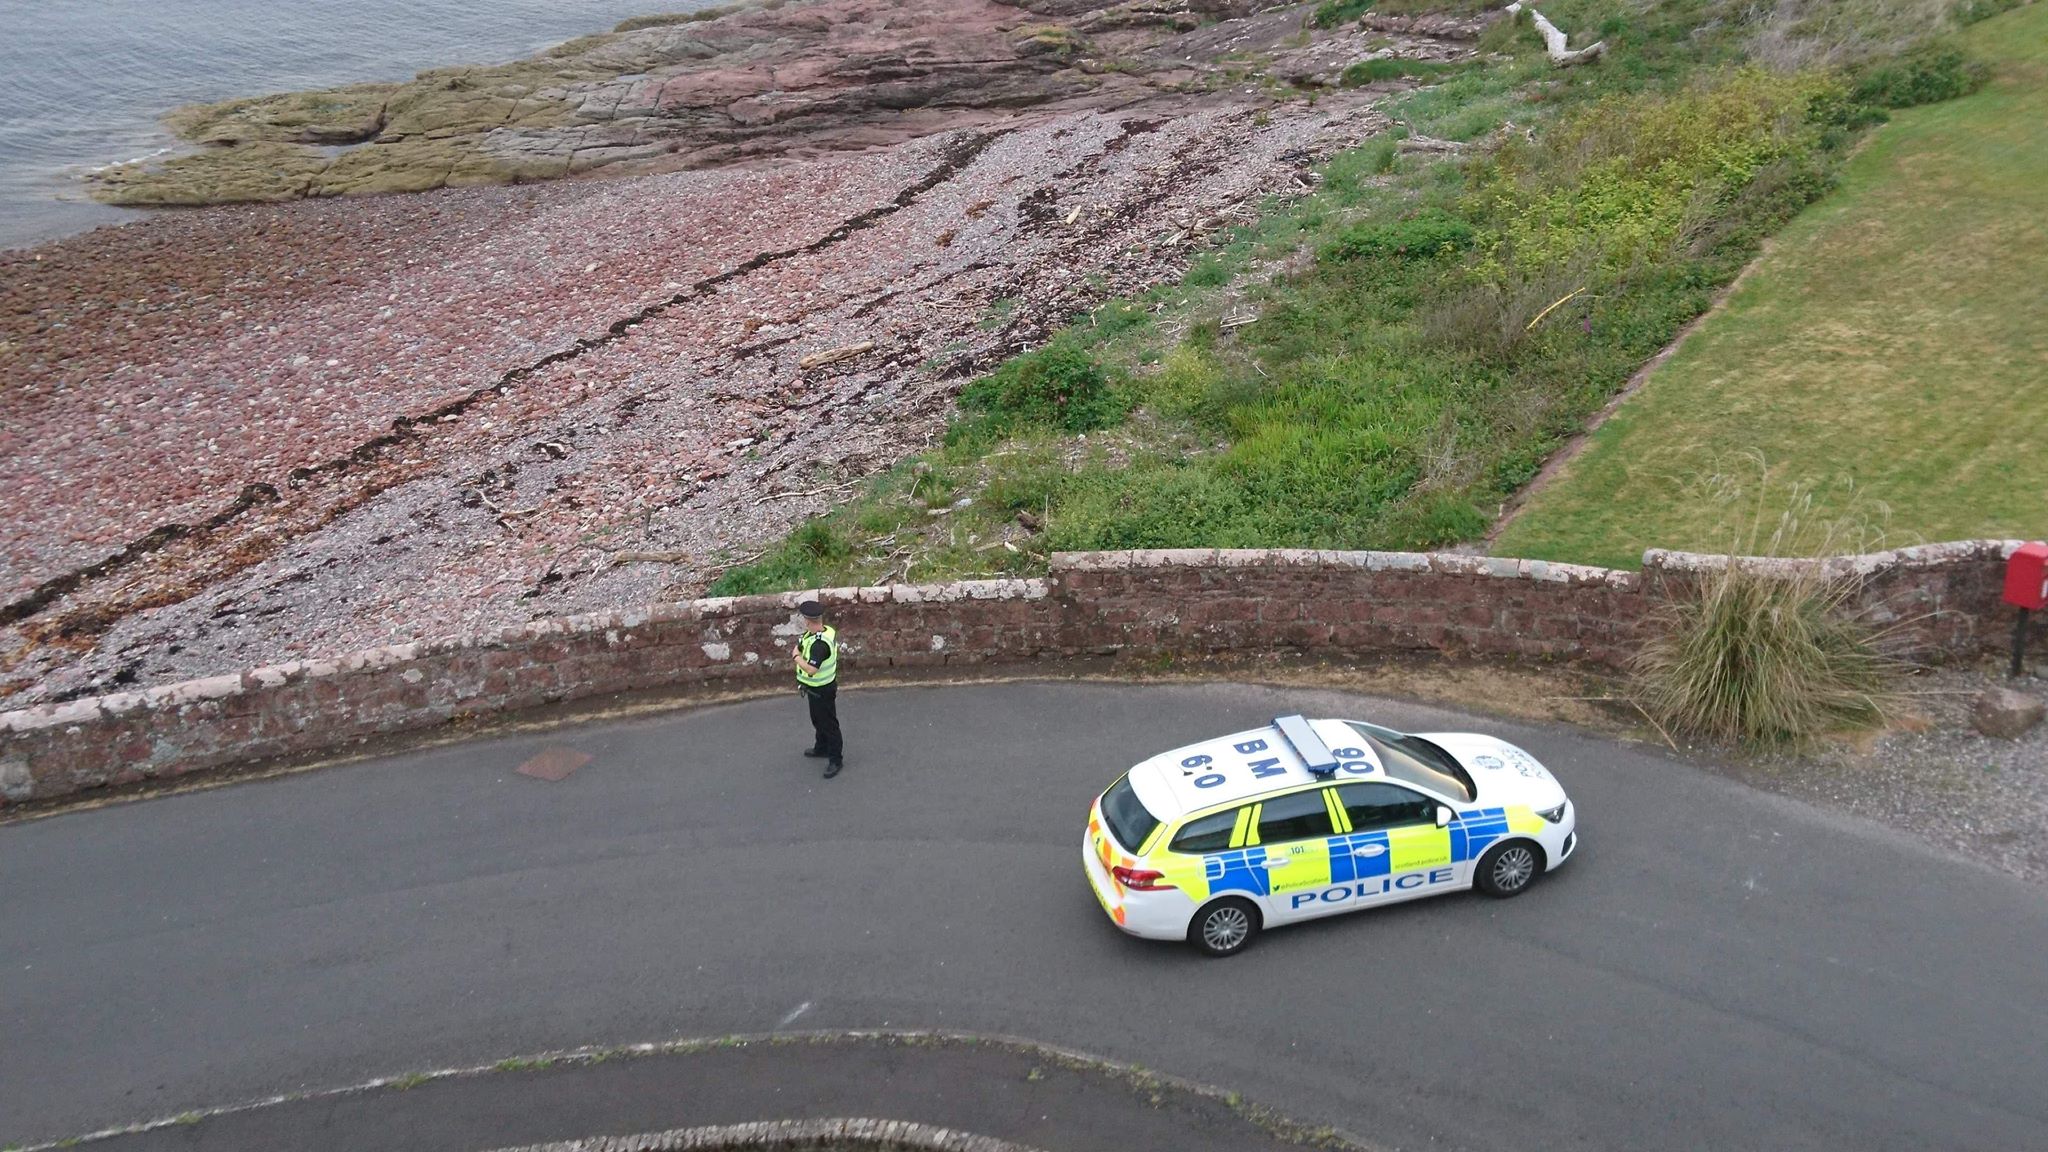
(1299, 816)
(1372, 805)
(1207, 834)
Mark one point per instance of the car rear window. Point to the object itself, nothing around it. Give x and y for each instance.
(1126, 816)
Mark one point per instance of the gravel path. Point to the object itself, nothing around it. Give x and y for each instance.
(1935, 777)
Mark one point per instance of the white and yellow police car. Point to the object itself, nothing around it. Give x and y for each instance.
(1305, 818)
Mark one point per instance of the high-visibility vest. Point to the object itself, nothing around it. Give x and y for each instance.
(829, 670)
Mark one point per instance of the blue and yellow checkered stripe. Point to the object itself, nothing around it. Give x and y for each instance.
(1368, 855)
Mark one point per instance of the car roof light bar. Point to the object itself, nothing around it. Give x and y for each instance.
(1306, 744)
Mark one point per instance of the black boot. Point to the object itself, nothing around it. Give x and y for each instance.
(832, 768)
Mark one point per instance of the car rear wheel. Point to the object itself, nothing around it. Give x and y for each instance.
(1509, 868)
(1225, 927)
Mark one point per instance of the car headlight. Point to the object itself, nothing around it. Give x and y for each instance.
(1555, 815)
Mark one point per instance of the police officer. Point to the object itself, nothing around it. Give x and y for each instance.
(817, 674)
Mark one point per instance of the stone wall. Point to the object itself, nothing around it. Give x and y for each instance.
(1942, 600)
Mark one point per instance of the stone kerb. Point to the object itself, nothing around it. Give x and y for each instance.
(1128, 605)
(792, 1136)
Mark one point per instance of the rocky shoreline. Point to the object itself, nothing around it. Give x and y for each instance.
(705, 89)
(245, 434)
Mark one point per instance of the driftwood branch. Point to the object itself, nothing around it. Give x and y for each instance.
(1414, 143)
(820, 359)
(818, 491)
(504, 514)
(1554, 39)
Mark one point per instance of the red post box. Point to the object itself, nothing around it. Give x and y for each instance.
(2026, 577)
(2026, 585)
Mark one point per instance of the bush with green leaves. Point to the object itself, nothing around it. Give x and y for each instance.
(1426, 235)
(1928, 74)
(1059, 386)
(1206, 272)
(1622, 180)
(1332, 13)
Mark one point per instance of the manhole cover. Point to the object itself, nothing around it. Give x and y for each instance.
(554, 763)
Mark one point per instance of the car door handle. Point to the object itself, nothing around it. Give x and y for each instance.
(1370, 850)
(1277, 862)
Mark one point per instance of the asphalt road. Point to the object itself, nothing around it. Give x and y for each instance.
(1715, 967)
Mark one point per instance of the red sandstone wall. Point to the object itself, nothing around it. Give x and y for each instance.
(1943, 600)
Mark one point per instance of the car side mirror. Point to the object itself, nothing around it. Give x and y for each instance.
(1443, 816)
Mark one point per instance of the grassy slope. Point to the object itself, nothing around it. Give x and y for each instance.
(1895, 339)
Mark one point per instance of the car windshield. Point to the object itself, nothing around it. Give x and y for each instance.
(1413, 760)
(1126, 816)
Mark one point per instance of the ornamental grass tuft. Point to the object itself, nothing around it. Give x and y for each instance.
(1767, 651)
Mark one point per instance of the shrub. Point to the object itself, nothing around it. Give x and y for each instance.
(1207, 272)
(1180, 388)
(1332, 13)
(1059, 386)
(1763, 658)
(1928, 74)
(1621, 179)
(1203, 385)
(818, 542)
(1490, 319)
(1426, 235)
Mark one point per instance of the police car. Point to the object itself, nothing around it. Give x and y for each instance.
(1305, 818)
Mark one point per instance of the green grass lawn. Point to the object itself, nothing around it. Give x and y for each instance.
(1893, 343)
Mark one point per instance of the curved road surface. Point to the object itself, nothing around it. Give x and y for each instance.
(1716, 968)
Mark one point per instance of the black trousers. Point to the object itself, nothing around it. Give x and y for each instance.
(825, 718)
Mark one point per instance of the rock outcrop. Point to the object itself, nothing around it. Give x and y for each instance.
(796, 78)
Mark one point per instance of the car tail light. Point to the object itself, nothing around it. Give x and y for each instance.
(1140, 879)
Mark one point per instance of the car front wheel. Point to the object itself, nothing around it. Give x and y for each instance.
(1225, 927)
(1509, 868)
